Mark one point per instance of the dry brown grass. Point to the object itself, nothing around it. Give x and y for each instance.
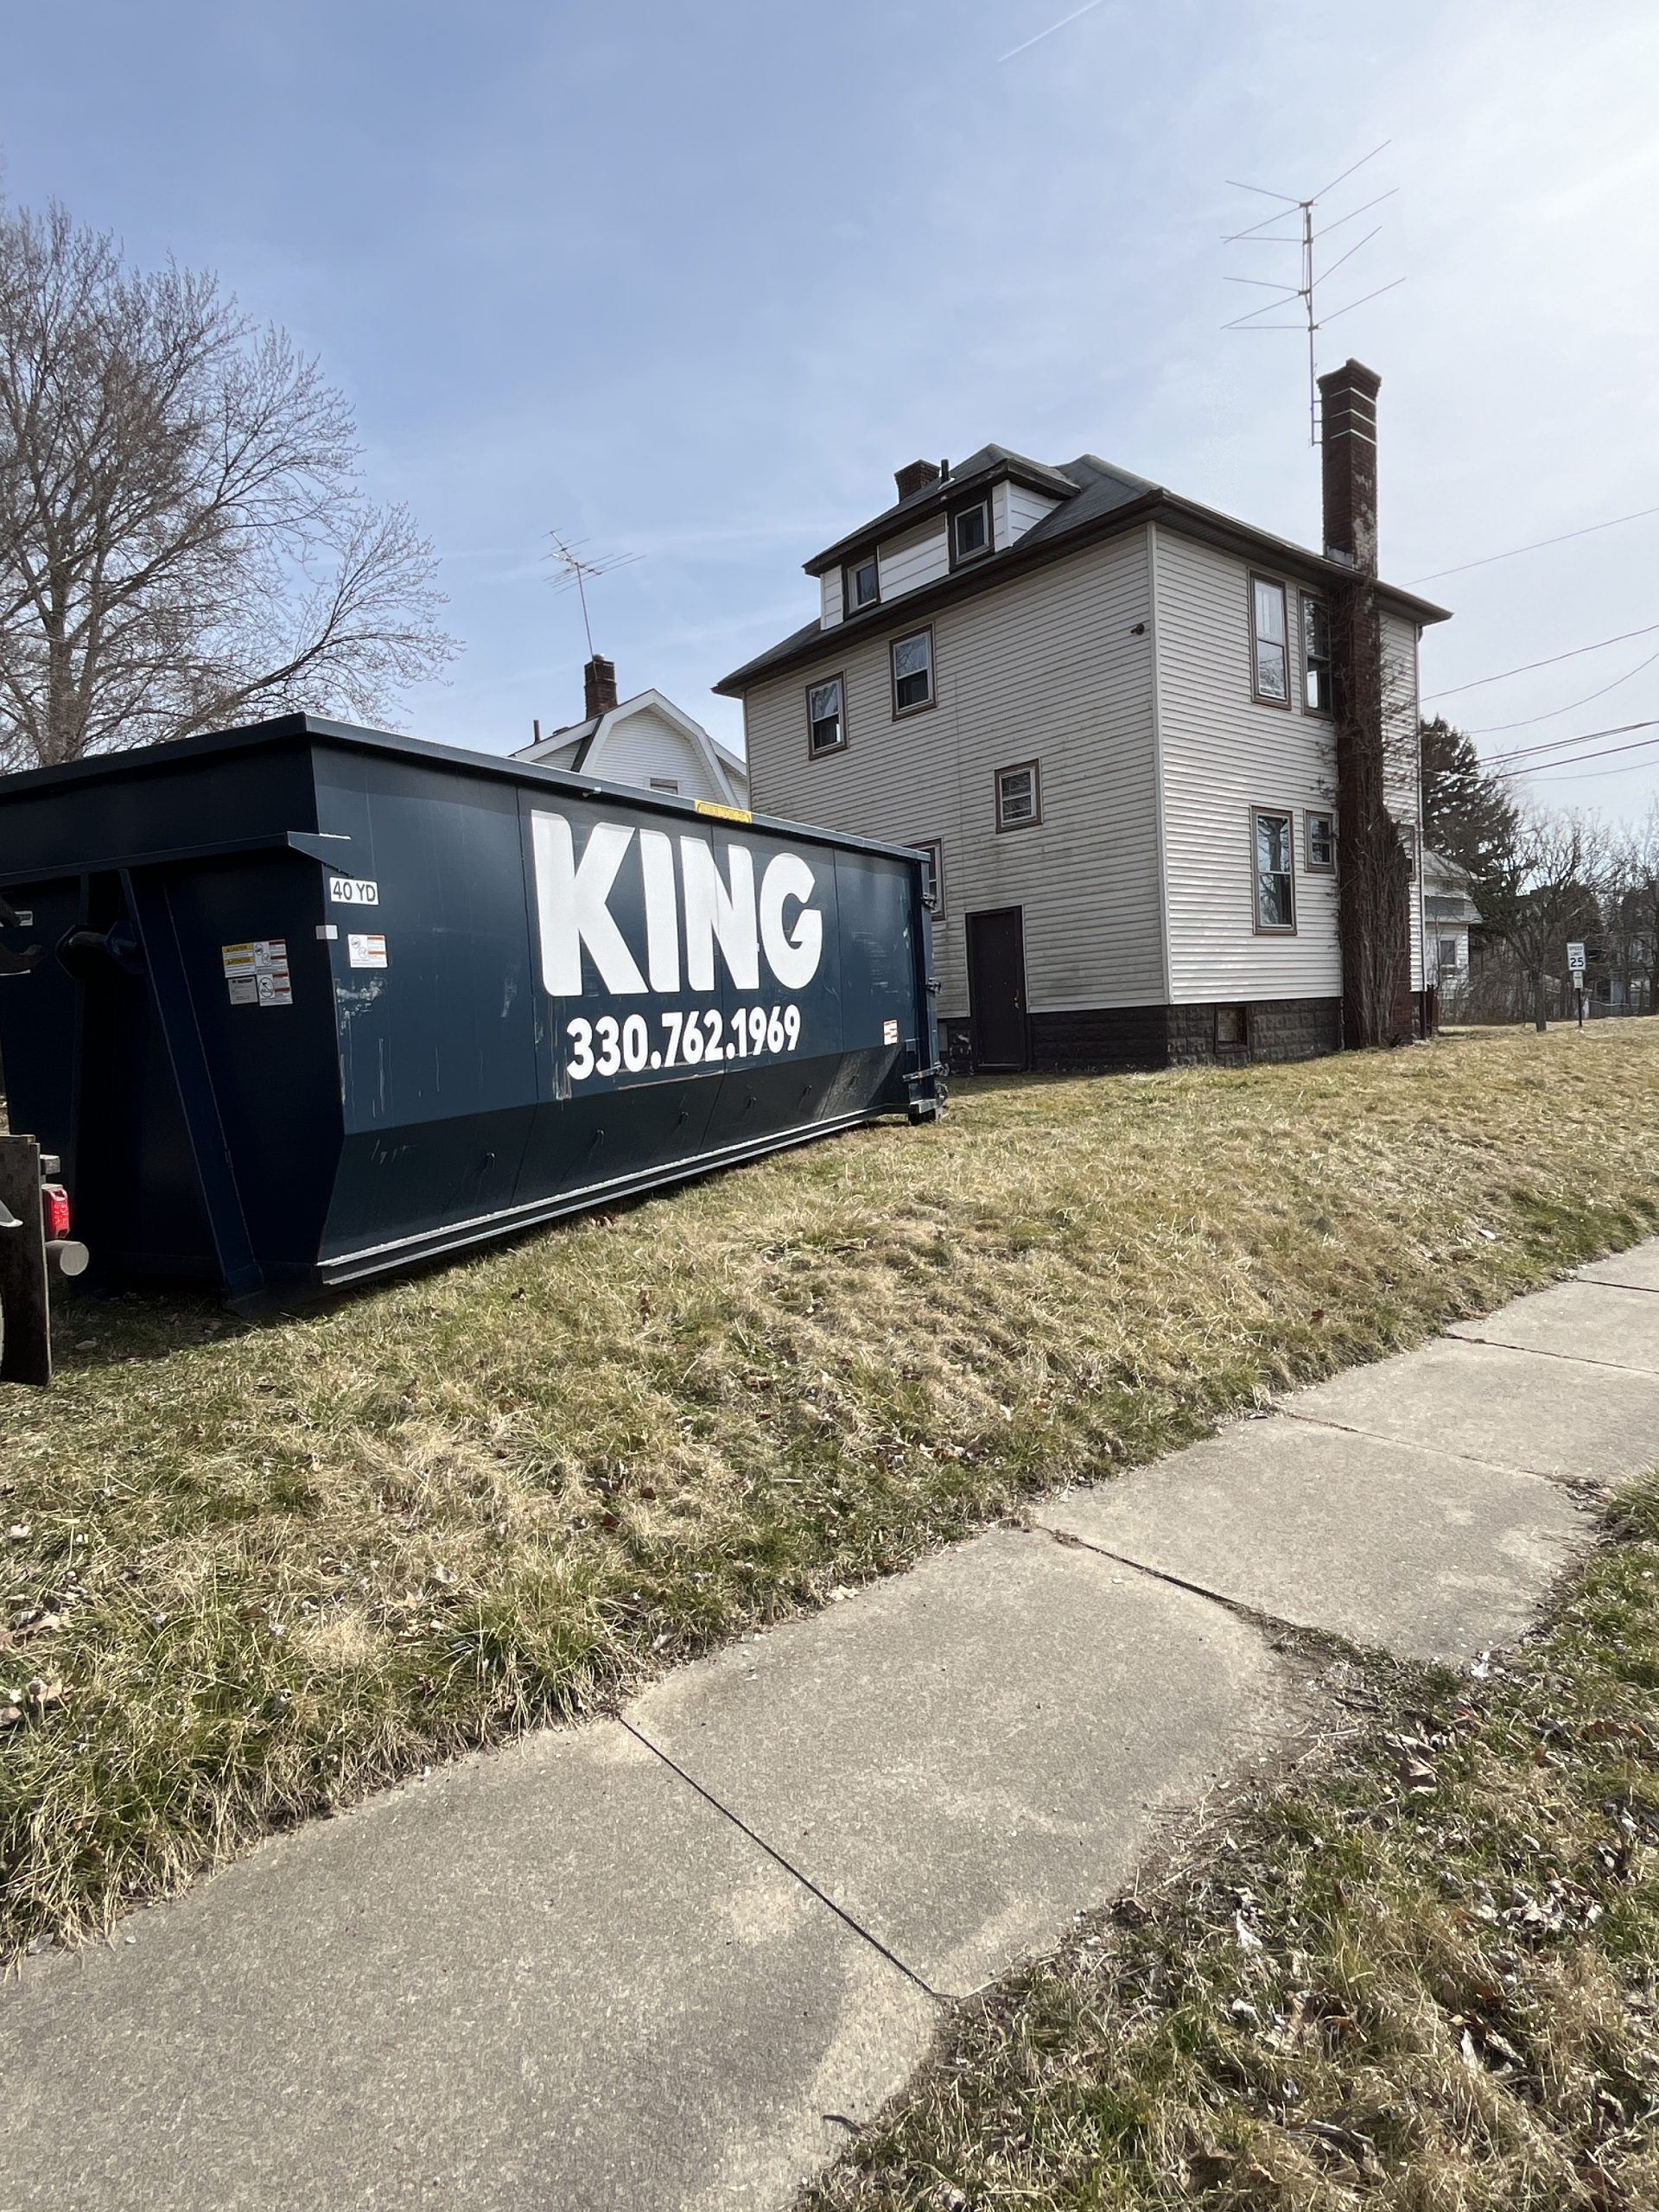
(287, 1563)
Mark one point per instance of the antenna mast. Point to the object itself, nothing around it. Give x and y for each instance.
(1303, 238)
(575, 566)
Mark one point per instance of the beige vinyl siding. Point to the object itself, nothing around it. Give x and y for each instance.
(919, 557)
(831, 608)
(1044, 668)
(645, 745)
(1223, 753)
(1025, 508)
(1001, 534)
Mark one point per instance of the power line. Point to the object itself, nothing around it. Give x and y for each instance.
(1531, 721)
(1537, 546)
(1527, 667)
(1571, 763)
(1584, 737)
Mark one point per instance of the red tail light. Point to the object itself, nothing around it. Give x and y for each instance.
(54, 1208)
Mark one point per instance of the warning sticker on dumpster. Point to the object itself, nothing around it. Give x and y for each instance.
(366, 951)
(889, 1032)
(256, 974)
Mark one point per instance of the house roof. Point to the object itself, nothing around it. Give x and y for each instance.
(1448, 890)
(589, 740)
(1096, 501)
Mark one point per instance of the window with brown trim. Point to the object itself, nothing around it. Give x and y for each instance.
(912, 672)
(971, 532)
(1316, 655)
(933, 853)
(1272, 857)
(1269, 643)
(1320, 834)
(1019, 795)
(861, 584)
(826, 716)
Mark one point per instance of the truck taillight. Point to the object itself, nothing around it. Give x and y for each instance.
(54, 1209)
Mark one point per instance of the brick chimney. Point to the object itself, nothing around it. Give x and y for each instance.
(1348, 420)
(599, 687)
(916, 476)
(1373, 885)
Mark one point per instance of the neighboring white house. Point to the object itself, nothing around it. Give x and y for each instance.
(1449, 912)
(646, 741)
(1103, 713)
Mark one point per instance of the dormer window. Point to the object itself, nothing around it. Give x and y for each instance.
(863, 583)
(971, 532)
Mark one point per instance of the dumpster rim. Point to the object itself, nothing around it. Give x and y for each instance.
(354, 737)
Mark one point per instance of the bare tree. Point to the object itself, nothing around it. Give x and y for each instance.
(1554, 880)
(184, 538)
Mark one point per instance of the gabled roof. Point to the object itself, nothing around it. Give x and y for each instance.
(1096, 500)
(589, 740)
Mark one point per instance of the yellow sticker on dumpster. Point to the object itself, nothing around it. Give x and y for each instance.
(256, 974)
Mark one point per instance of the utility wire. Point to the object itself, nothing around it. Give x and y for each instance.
(1527, 667)
(1531, 721)
(1537, 546)
(1507, 771)
(1584, 737)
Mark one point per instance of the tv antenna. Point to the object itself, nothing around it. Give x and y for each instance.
(1304, 237)
(577, 568)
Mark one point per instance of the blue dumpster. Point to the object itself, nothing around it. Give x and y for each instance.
(299, 1003)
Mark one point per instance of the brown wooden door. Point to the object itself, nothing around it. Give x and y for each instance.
(996, 988)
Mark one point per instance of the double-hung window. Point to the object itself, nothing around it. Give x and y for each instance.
(1275, 875)
(1321, 854)
(1316, 655)
(971, 532)
(933, 853)
(912, 672)
(826, 716)
(1019, 795)
(863, 583)
(1269, 643)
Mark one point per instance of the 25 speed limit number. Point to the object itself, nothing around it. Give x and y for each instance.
(608, 1045)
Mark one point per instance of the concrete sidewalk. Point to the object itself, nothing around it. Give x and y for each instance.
(668, 1961)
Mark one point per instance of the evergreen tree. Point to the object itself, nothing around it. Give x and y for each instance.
(1468, 814)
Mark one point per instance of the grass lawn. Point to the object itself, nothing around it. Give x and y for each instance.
(249, 1573)
(1426, 1980)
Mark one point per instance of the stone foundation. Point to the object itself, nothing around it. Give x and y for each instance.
(1106, 1039)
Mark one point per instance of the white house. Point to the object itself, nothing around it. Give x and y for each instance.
(1103, 713)
(1449, 913)
(646, 741)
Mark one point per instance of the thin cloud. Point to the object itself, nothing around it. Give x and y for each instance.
(1087, 8)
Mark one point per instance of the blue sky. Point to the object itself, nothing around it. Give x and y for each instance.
(691, 282)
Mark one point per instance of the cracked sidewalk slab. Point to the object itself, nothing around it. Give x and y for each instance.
(1391, 1545)
(1597, 1324)
(966, 1756)
(1528, 1411)
(1636, 1269)
(554, 1976)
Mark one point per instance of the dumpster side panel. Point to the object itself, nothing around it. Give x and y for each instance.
(261, 1004)
(664, 990)
(432, 987)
